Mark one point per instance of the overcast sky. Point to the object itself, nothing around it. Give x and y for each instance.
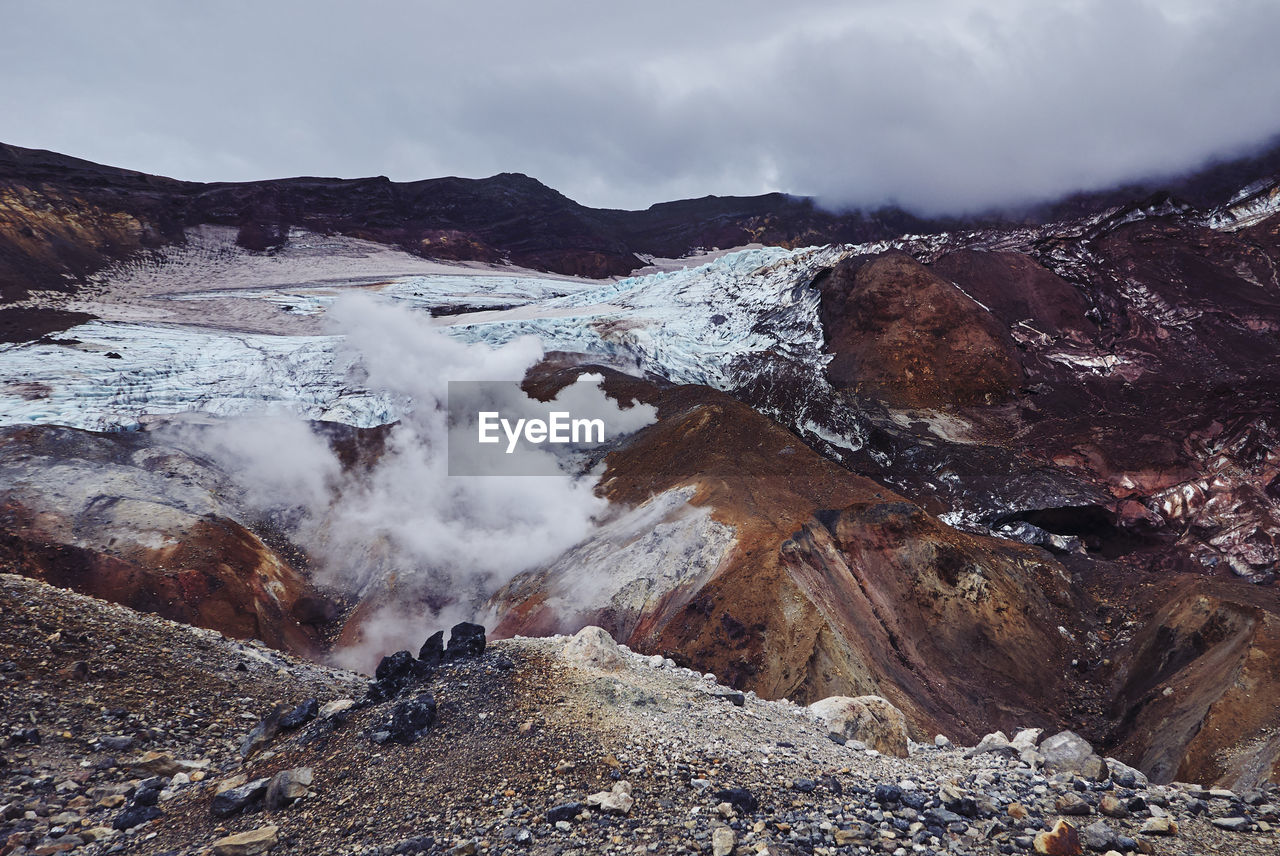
(936, 104)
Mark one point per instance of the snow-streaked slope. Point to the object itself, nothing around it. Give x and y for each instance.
(630, 568)
(1250, 206)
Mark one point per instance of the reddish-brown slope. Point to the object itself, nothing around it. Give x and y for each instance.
(837, 585)
(92, 512)
(902, 333)
(1197, 693)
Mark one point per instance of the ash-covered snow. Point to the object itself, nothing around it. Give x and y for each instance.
(430, 292)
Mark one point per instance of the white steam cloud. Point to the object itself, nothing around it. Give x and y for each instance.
(404, 524)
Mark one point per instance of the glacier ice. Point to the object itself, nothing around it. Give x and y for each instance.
(724, 324)
(116, 375)
(689, 326)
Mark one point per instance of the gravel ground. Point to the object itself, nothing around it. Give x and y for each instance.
(109, 717)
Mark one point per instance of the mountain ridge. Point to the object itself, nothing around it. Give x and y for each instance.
(63, 218)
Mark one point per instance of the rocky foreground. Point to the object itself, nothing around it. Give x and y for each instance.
(126, 733)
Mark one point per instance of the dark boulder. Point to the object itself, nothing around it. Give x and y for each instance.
(117, 742)
(135, 815)
(888, 794)
(395, 674)
(433, 649)
(565, 811)
(742, 800)
(234, 800)
(410, 719)
(147, 796)
(734, 698)
(300, 715)
(263, 733)
(465, 640)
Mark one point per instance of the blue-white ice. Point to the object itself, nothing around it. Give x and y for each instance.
(697, 325)
(719, 324)
(169, 370)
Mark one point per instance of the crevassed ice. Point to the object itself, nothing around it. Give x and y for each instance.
(716, 324)
(168, 370)
(689, 326)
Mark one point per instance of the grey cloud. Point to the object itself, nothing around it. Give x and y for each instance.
(936, 104)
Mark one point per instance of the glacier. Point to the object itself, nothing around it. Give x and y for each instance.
(695, 325)
(105, 376)
(723, 324)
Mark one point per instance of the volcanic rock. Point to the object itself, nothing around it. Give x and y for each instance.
(410, 719)
(306, 711)
(563, 812)
(1124, 775)
(1159, 826)
(1098, 836)
(742, 800)
(465, 640)
(869, 719)
(336, 709)
(1068, 752)
(593, 646)
(618, 800)
(996, 743)
(432, 651)
(286, 787)
(1062, 840)
(395, 674)
(159, 763)
(1072, 804)
(135, 815)
(1112, 807)
(235, 799)
(249, 843)
(264, 732)
(1235, 824)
